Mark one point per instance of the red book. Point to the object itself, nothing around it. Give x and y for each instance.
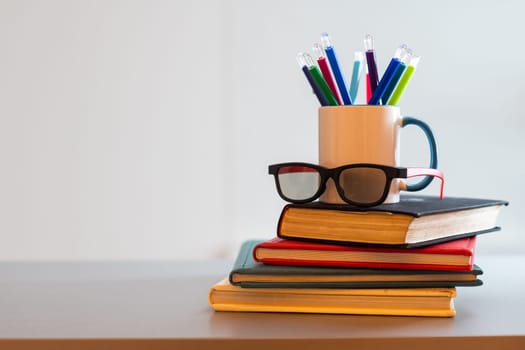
(456, 255)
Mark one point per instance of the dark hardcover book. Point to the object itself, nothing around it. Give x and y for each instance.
(414, 221)
(248, 273)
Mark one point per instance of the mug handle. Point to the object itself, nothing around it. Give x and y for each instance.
(433, 151)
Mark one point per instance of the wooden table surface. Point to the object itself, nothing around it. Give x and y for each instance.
(163, 305)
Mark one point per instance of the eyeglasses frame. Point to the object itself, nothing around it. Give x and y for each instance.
(334, 174)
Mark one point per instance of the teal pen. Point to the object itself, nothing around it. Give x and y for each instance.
(356, 74)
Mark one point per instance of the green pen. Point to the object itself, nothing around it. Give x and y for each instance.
(318, 77)
(403, 82)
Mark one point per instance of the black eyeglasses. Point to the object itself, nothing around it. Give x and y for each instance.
(362, 185)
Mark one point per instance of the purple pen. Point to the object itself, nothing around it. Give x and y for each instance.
(371, 62)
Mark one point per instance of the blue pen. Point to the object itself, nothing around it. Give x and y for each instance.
(395, 62)
(316, 89)
(397, 77)
(356, 75)
(336, 70)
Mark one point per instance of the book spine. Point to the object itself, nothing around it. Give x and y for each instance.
(280, 221)
(242, 258)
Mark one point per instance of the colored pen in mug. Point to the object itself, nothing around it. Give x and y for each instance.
(325, 70)
(319, 80)
(396, 76)
(388, 75)
(405, 79)
(371, 62)
(336, 70)
(316, 89)
(356, 75)
(368, 88)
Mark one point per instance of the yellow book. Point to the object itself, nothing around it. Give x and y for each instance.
(435, 302)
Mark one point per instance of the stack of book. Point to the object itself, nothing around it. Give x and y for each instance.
(401, 259)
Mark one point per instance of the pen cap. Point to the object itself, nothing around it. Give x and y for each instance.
(300, 59)
(359, 56)
(414, 60)
(401, 51)
(308, 60)
(318, 51)
(406, 56)
(369, 42)
(325, 40)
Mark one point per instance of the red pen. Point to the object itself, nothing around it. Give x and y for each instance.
(325, 70)
(368, 87)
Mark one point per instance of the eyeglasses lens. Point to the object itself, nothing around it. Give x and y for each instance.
(298, 182)
(363, 185)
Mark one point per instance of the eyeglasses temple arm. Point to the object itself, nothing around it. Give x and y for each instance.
(413, 172)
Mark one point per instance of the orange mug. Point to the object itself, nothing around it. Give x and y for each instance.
(367, 134)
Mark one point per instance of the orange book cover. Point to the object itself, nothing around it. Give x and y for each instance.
(435, 302)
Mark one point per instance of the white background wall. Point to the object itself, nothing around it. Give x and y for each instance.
(143, 129)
